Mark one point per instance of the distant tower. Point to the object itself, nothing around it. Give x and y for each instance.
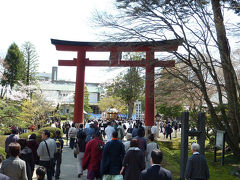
(54, 73)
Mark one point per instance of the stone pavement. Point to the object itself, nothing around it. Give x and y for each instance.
(69, 166)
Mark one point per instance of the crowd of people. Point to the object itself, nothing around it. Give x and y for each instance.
(109, 150)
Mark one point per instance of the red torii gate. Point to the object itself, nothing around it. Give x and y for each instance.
(115, 49)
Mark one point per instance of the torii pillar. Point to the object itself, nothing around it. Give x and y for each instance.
(115, 49)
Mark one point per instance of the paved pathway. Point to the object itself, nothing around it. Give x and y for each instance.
(69, 166)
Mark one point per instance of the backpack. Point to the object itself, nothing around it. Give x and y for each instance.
(59, 147)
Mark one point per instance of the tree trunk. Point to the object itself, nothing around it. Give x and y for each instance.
(228, 72)
(130, 109)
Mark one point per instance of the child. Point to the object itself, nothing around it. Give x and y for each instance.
(40, 172)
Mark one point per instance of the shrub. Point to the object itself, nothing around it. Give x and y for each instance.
(38, 133)
(2, 152)
(52, 131)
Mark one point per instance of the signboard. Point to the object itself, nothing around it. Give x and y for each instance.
(219, 143)
(138, 110)
(219, 138)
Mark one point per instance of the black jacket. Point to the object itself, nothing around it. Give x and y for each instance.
(155, 172)
(134, 163)
(26, 154)
(197, 167)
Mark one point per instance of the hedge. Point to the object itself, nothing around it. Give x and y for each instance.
(2, 152)
(38, 133)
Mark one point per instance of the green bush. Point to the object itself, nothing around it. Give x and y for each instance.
(2, 152)
(52, 131)
(38, 133)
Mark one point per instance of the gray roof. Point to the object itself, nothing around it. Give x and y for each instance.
(92, 87)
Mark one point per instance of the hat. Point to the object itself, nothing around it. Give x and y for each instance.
(128, 136)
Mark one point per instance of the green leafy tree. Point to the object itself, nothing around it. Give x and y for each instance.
(128, 87)
(201, 25)
(112, 102)
(169, 111)
(87, 107)
(31, 62)
(14, 67)
(9, 112)
(35, 111)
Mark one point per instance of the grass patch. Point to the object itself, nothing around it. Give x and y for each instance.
(171, 161)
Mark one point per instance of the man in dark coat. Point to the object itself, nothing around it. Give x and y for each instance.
(113, 154)
(13, 137)
(169, 131)
(26, 154)
(156, 172)
(196, 167)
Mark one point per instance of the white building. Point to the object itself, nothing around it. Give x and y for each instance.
(62, 92)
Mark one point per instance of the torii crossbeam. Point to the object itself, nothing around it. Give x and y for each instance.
(115, 49)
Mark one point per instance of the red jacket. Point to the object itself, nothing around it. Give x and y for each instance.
(92, 155)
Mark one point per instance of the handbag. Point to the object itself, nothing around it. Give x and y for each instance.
(52, 160)
(76, 150)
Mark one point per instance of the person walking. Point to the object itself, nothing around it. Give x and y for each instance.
(13, 137)
(121, 131)
(127, 143)
(169, 131)
(196, 168)
(72, 133)
(134, 131)
(58, 154)
(14, 167)
(89, 131)
(81, 143)
(33, 145)
(113, 154)
(92, 156)
(67, 127)
(133, 162)
(46, 150)
(156, 172)
(150, 147)
(109, 131)
(26, 154)
(142, 143)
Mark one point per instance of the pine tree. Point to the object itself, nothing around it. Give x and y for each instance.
(31, 62)
(14, 67)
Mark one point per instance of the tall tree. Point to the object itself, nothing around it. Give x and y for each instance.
(112, 102)
(128, 87)
(203, 31)
(31, 62)
(14, 67)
